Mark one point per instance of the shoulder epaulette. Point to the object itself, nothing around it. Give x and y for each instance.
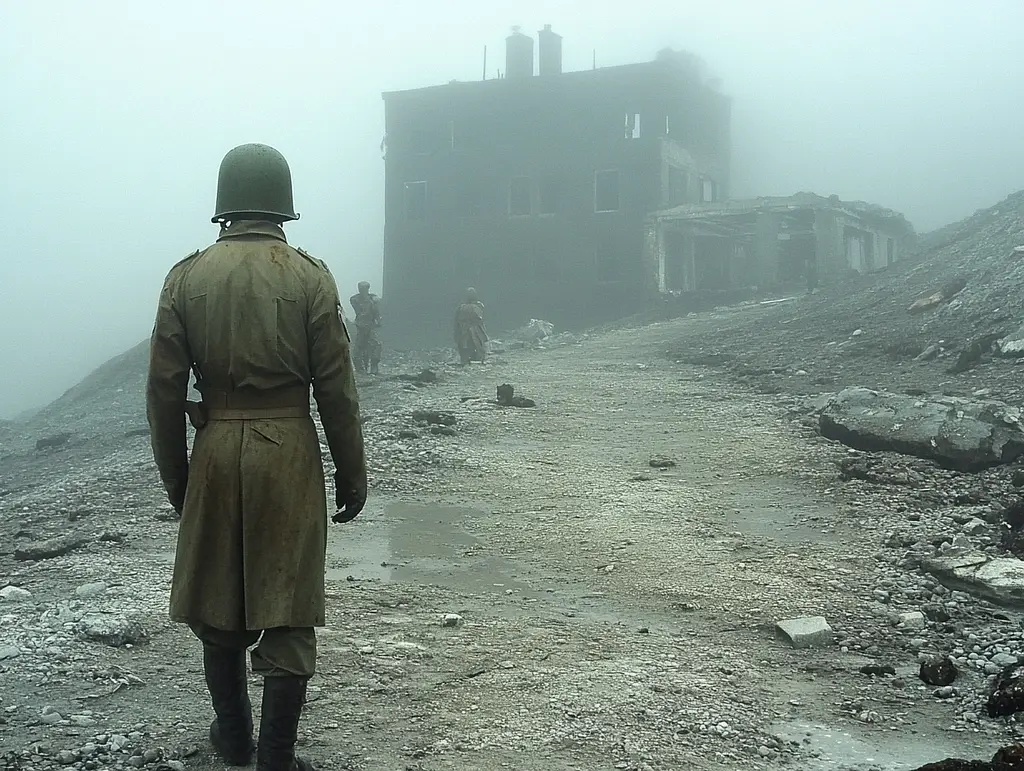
(315, 260)
(190, 257)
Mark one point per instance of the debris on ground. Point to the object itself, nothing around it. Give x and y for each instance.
(957, 433)
(805, 632)
(939, 671)
(507, 397)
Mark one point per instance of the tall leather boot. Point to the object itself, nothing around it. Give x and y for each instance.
(283, 698)
(231, 731)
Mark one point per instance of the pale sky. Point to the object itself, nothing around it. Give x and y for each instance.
(116, 115)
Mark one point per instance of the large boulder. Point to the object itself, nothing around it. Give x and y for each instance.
(999, 580)
(956, 433)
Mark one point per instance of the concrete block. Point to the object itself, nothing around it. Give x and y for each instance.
(805, 632)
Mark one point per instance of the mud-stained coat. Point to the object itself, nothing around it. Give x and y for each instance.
(470, 333)
(257, 317)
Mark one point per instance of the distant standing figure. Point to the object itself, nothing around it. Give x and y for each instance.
(367, 345)
(470, 335)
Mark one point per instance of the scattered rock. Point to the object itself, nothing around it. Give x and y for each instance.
(805, 632)
(15, 594)
(957, 433)
(421, 378)
(939, 671)
(999, 580)
(110, 629)
(9, 652)
(1007, 695)
(136, 432)
(90, 589)
(443, 431)
(54, 547)
(451, 620)
(48, 442)
(507, 397)
(878, 670)
(929, 353)
(661, 461)
(434, 417)
(948, 291)
(913, 620)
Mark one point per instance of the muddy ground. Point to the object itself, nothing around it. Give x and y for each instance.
(607, 614)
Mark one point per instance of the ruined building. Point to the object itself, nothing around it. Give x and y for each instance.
(536, 187)
(770, 242)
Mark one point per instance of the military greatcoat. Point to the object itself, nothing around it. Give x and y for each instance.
(259, 322)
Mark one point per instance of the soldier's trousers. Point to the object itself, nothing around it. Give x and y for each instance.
(281, 651)
(366, 347)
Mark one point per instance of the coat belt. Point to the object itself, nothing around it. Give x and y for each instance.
(249, 405)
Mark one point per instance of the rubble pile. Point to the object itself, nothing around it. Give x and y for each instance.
(948, 319)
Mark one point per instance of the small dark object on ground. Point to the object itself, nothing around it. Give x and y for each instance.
(407, 434)
(443, 430)
(938, 671)
(955, 764)
(1007, 695)
(423, 377)
(54, 547)
(971, 355)
(661, 461)
(1009, 758)
(878, 670)
(507, 397)
(136, 432)
(57, 440)
(434, 417)
(1018, 478)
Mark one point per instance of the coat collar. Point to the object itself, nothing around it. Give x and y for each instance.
(253, 228)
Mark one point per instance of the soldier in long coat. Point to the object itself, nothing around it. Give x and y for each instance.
(366, 347)
(259, 322)
(470, 333)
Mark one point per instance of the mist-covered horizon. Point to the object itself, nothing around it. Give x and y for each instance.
(117, 116)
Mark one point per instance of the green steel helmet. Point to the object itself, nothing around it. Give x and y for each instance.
(364, 286)
(254, 183)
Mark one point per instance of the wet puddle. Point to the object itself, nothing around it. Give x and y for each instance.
(780, 524)
(840, 750)
(422, 544)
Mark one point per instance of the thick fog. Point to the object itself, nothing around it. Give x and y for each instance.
(116, 116)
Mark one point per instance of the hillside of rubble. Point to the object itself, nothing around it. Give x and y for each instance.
(945, 321)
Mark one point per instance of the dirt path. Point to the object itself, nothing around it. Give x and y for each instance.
(607, 614)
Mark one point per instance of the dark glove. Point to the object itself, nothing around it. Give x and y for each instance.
(350, 502)
(176, 494)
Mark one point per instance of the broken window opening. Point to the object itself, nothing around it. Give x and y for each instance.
(415, 200)
(708, 190)
(606, 191)
(519, 197)
(548, 197)
(632, 125)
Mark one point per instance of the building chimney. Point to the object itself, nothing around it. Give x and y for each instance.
(518, 55)
(550, 52)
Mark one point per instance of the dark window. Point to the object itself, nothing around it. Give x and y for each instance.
(548, 197)
(609, 262)
(890, 251)
(519, 196)
(415, 200)
(606, 191)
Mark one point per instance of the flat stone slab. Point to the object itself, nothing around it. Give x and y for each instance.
(805, 632)
(999, 580)
(956, 433)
